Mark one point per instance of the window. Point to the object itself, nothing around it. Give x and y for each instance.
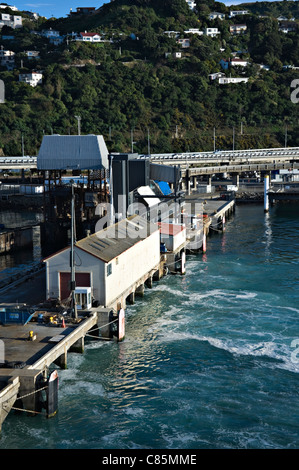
(109, 269)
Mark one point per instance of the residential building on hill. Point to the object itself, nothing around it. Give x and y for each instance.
(227, 80)
(89, 37)
(212, 32)
(12, 21)
(191, 5)
(82, 11)
(238, 28)
(233, 13)
(7, 59)
(32, 54)
(33, 78)
(3, 6)
(215, 14)
(50, 33)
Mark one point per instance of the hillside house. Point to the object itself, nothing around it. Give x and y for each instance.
(184, 43)
(33, 79)
(238, 28)
(212, 32)
(236, 62)
(233, 13)
(10, 20)
(215, 75)
(172, 34)
(214, 15)
(287, 27)
(82, 11)
(113, 262)
(194, 31)
(3, 6)
(89, 37)
(227, 80)
(32, 54)
(191, 5)
(50, 33)
(174, 55)
(7, 59)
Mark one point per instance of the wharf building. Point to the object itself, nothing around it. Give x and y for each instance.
(111, 264)
(63, 160)
(119, 245)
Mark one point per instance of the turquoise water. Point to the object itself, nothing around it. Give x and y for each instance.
(210, 359)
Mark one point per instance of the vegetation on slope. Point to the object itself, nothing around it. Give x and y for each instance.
(128, 87)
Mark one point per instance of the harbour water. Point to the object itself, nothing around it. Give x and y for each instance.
(13, 263)
(210, 359)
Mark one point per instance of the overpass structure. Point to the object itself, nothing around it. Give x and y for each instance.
(237, 169)
(18, 163)
(271, 155)
(234, 162)
(198, 163)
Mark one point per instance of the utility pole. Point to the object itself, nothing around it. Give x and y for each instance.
(132, 142)
(111, 192)
(148, 143)
(72, 260)
(79, 124)
(214, 139)
(233, 138)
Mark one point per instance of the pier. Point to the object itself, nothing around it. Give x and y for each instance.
(31, 349)
(82, 289)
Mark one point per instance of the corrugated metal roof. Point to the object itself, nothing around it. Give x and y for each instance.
(74, 152)
(112, 241)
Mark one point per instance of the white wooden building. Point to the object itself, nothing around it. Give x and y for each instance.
(172, 235)
(113, 262)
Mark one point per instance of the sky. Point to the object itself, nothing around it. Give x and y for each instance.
(56, 8)
(61, 8)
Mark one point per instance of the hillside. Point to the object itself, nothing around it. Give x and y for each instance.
(139, 80)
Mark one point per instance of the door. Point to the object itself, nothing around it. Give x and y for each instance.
(82, 280)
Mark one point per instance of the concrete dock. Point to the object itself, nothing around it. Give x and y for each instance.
(29, 350)
(216, 210)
